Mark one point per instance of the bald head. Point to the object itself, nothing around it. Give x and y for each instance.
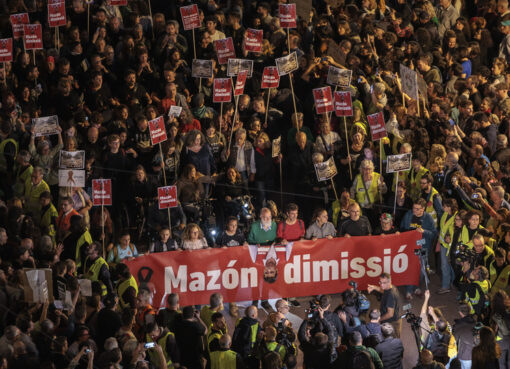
(92, 134)
(252, 312)
(225, 341)
(301, 139)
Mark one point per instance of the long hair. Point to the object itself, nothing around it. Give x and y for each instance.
(498, 303)
(487, 350)
(186, 236)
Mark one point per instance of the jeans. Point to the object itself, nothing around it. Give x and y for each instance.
(465, 364)
(446, 269)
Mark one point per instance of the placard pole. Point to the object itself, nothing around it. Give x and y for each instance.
(164, 179)
(395, 202)
(334, 188)
(102, 218)
(194, 47)
(348, 149)
(267, 107)
(380, 165)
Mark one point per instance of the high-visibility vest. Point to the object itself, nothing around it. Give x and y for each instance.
(464, 236)
(499, 281)
(276, 347)
(153, 356)
(446, 228)
(85, 237)
(484, 287)
(373, 191)
(414, 182)
(213, 334)
(223, 359)
(254, 329)
(46, 223)
(123, 286)
(430, 205)
(21, 178)
(3, 160)
(93, 272)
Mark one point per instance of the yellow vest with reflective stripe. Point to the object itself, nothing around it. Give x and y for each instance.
(414, 182)
(123, 286)
(430, 205)
(485, 286)
(223, 359)
(273, 346)
(3, 160)
(464, 236)
(373, 191)
(499, 281)
(46, 224)
(93, 273)
(446, 228)
(21, 178)
(211, 336)
(85, 237)
(153, 356)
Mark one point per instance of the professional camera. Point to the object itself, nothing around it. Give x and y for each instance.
(285, 336)
(464, 254)
(359, 300)
(314, 307)
(410, 317)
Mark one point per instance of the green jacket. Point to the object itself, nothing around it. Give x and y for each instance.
(378, 364)
(259, 236)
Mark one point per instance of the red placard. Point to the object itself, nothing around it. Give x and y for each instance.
(33, 36)
(288, 15)
(119, 2)
(222, 89)
(57, 14)
(253, 40)
(157, 130)
(225, 50)
(190, 17)
(167, 197)
(323, 100)
(5, 50)
(343, 104)
(270, 77)
(17, 22)
(304, 268)
(240, 82)
(102, 192)
(377, 126)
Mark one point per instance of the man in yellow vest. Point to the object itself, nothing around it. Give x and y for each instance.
(416, 173)
(270, 343)
(245, 333)
(215, 306)
(34, 187)
(432, 197)
(23, 172)
(224, 358)
(96, 269)
(49, 215)
(166, 339)
(476, 292)
(218, 328)
(368, 188)
(446, 230)
(127, 288)
(499, 272)
(484, 255)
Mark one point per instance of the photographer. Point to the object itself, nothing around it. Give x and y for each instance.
(484, 255)
(499, 271)
(476, 291)
(269, 344)
(245, 333)
(463, 332)
(333, 319)
(390, 302)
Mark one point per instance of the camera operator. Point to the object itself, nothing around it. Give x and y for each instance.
(463, 332)
(316, 340)
(371, 331)
(333, 319)
(484, 255)
(390, 302)
(427, 361)
(476, 291)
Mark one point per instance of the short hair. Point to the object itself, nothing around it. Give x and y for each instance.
(324, 301)
(127, 315)
(451, 203)
(374, 313)
(387, 330)
(421, 202)
(216, 316)
(428, 177)
(172, 299)
(500, 252)
(215, 300)
(291, 207)
(385, 276)
(420, 156)
(356, 339)
(464, 308)
(187, 312)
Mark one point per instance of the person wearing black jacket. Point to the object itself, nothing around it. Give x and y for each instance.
(463, 332)
(316, 340)
(390, 349)
(243, 339)
(332, 318)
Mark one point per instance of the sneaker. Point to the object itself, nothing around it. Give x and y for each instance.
(418, 292)
(409, 297)
(266, 306)
(295, 302)
(442, 291)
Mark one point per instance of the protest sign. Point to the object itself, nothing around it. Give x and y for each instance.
(102, 192)
(237, 65)
(45, 126)
(202, 68)
(190, 17)
(408, 79)
(5, 50)
(57, 14)
(343, 104)
(72, 159)
(157, 130)
(287, 14)
(18, 21)
(119, 2)
(270, 77)
(398, 163)
(323, 100)
(377, 126)
(240, 83)
(37, 285)
(326, 170)
(305, 268)
(224, 50)
(339, 77)
(253, 40)
(287, 64)
(71, 178)
(167, 197)
(33, 36)
(174, 111)
(222, 88)
(276, 147)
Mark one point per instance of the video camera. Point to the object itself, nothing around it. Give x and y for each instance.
(464, 253)
(314, 308)
(360, 300)
(411, 318)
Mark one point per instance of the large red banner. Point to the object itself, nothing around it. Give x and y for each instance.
(5, 50)
(303, 268)
(57, 14)
(17, 22)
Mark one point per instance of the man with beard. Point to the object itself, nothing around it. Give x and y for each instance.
(133, 94)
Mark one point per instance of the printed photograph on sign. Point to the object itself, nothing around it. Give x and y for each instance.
(174, 111)
(253, 40)
(339, 77)
(276, 147)
(270, 77)
(287, 64)
(72, 159)
(71, 178)
(202, 68)
(45, 126)
(236, 65)
(57, 14)
(343, 104)
(325, 170)
(222, 90)
(167, 197)
(323, 100)
(225, 50)
(5, 50)
(377, 126)
(157, 130)
(287, 15)
(408, 79)
(190, 17)
(102, 192)
(398, 163)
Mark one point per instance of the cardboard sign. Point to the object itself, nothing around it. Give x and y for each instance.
(190, 17)
(119, 2)
(409, 81)
(5, 50)
(72, 159)
(288, 16)
(71, 178)
(102, 192)
(45, 126)
(240, 83)
(224, 50)
(57, 14)
(174, 111)
(202, 68)
(276, 147)
(377, 126)
(221, 91)
(323, 100)
(253, 40)
(237, 65)
(287, 64)
(326, 170)
(167, 197)
(398, 163)
(37, 285)
(157, 130)
(33, 36)
(17, 22)
(270, 78)
(343, 104)
(339, 77)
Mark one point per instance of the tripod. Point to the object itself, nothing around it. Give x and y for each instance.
(424, 265)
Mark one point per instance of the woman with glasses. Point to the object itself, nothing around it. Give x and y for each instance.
(193, 238)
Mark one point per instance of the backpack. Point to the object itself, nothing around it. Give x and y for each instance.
(361, 359)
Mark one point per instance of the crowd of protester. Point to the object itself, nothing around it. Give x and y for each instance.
(112, 69)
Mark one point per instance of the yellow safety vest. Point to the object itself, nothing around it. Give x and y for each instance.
(430, 205)
(373, 191)
(85, 237)
(46, 224)
(499, 281)
(337, 210)
(123, 286)
(21, 178)
(3, 160)
(464, 236)
(161, 342)
(93, 272)
(414, 182)
(213, 334)
(32, 194)
(223, 359)
(276, 347)
(446, 228)
(485, 286)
